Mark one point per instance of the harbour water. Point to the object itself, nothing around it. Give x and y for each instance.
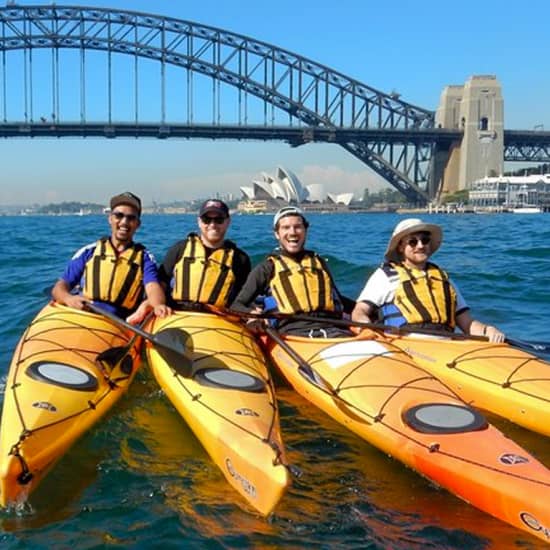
(140, 479)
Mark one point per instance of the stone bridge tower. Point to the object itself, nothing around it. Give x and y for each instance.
(476, 108)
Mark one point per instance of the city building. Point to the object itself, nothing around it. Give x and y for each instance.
(508, 192)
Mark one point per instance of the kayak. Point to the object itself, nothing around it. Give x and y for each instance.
(373, 388)
(497, 378)
(68, 369)
(225, 394)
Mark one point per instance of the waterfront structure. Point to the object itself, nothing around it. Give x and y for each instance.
(509, 192)
(476, 109)
(283, 188)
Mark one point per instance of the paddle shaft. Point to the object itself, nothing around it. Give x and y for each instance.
(172, 348)
(121, 322)
(540, 347)
(303, 366)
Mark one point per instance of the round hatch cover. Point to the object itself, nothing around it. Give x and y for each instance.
(62, 375)
(444, 418)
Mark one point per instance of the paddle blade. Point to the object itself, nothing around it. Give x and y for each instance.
(175, 347)
(112, 356)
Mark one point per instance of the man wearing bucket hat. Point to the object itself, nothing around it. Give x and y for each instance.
(294, 280)
(114, 271)
(205, 267)
(410, 290)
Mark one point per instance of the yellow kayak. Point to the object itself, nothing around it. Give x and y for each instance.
(376, 390)
(68, 369)
(495, 377)
(224, 393)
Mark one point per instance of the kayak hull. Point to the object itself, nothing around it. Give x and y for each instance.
(68, 369)
(494, 377)
(374, 389)
(228, 401)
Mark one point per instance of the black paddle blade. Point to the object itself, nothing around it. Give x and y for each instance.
(175, 347)
(112, 356)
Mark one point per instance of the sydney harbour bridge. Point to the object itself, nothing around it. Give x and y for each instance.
(69, 71)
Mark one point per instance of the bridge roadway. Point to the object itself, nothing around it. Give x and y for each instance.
(518, 144)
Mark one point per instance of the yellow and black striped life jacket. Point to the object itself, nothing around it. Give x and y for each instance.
(202, 279)
(301, 287)
(425, 296)
(115, 277)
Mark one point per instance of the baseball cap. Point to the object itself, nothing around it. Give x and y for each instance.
(216, 206)
(127, 198)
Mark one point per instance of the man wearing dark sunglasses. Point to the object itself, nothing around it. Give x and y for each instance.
(410, 290)
(114, 271)
(205, 267)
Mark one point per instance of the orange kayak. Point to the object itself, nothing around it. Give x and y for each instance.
(377, 391)
(498, 378)
(67, 371)
(227, 398)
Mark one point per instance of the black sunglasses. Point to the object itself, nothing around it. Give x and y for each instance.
(120, 215)
(413, 241)
(218, 220)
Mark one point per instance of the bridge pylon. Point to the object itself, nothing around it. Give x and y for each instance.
(476, 108)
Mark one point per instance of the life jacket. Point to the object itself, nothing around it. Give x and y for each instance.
(115, 277)
(301, 287)
(422, 297)
(202, 279)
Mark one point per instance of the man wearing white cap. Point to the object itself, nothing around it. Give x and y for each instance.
(410, 290)
(294, 280)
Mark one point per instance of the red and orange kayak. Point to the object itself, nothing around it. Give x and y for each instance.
(375, 389)
(67, 371)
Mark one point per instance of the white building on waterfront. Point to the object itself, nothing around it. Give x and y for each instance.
(285, 188)
(511, 191)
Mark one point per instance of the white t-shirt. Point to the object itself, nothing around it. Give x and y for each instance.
(380, 289)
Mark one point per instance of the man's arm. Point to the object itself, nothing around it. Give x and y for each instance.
(257, 283)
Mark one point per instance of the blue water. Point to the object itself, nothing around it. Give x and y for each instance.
(140, 479)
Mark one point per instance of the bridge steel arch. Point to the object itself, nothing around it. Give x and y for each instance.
(394, 138)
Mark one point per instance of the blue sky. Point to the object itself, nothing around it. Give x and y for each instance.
(415, 48)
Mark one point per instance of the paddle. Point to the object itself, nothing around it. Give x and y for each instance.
(534, 346)
(304, 368)
(170, 342)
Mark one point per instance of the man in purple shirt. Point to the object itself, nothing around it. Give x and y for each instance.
(115, 271)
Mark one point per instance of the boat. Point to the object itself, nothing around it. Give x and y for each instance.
(374, 388)
(498, 378)
(68, 369)
(527, 209)
(225, 394)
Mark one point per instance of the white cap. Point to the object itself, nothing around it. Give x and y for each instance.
(288, 211)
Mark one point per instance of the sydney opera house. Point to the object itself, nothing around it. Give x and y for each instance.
(272, 192)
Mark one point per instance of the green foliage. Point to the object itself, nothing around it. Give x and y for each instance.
(460, 197)
(385, 196)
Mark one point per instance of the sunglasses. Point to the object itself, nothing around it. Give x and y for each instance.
(413, 241)
(218, 220)
(120, 215)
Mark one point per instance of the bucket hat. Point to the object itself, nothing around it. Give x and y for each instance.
(407, 227)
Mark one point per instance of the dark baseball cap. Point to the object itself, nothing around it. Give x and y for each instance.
(216, 206)
(127, 198)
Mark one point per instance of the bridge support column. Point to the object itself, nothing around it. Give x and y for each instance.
(477, 109)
